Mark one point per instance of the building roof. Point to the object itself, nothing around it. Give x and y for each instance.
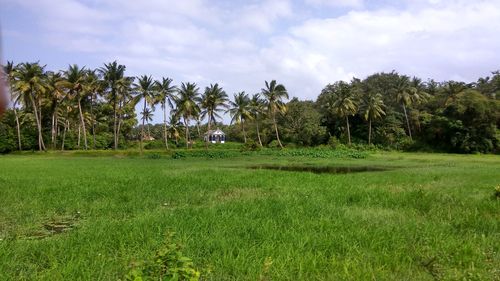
(215, 132)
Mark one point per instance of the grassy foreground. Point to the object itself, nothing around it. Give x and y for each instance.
(432, 217)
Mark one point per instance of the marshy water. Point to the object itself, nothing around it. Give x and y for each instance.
(322, 169)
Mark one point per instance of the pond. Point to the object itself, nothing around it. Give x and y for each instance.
(322, 169)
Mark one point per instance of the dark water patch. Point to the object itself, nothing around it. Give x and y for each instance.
(322, 169)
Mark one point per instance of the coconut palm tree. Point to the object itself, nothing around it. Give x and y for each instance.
(30, 84)
(92, 88)
(147, 115)
(126, 101)
(145, 90)
(111, 74)
(56, 96)
(372, 108)
(239, 109)
(257, 109)
(213, 100)
(450, 90)
(274, 94)
(166, 96)
(10, 70)
(175, 127)
(342, 102)
(407, 93)
(187, 105)
(74, 80)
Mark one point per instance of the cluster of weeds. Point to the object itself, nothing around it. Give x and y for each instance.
(167, 264)
(55, 225)
(153, 156)
(497, 192)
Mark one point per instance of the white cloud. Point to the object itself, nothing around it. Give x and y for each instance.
(240, 46)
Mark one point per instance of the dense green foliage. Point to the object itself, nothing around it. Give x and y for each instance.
(95, 109)
(75, 216)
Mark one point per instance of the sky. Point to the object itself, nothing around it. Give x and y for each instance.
(303, 44)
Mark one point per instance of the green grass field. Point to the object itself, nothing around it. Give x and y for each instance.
(432, 217)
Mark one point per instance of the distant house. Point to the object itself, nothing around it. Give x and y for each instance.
(215, 136)
(148, 138)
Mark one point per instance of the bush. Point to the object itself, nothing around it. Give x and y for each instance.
(333, 142)
(273, 144)
(167, 264)
(250, 146)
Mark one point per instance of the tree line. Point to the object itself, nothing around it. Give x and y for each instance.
(81, 108)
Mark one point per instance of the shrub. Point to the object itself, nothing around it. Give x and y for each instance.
(167, 264)
(333, 142)
(273, 144)
(250, 146)
(497, 192)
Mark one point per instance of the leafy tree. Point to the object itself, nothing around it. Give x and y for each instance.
(10, 70)
(274, 94)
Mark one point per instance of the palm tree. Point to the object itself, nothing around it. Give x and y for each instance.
(126, 101)
(175, 127)
(10, 70)
(112, 73)
(407, 93)
(187, 105)
(451, 90)
(166, 95)
(74, 80)
(212, 101)
(239, 109)
(147, 115)
(145, 90)
(274, 94)
(257, 109)
(92, 88)
(372, 108)
(30, 84)
(341, 102)
(56, 96)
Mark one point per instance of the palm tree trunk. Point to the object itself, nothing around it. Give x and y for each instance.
(208, 133)
(198, 128)
(142, 128)
(407, 122)
(119, 125)
(66, 125)
(82, 121)
(53, 129)
(244, 133)
(115, 117)
(79, 135)
(41, 125)
(93, 120)
(258, 133)
(348, 130)
(18, 127)
(165, 134)
(38, 124)
(370, 132)
(276, 129)
(187, 132)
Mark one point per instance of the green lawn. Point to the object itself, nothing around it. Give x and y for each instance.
(431, 217)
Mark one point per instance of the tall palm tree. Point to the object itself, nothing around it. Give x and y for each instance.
(372, 108)
(407, 93)
(30, 84)
(92, 88)
(126, 100)
(166, 96)
(74, 80)
(175, 127)
(187, 105)
(56, 96)
(112, 73)
(239, 109)
(10, 70)
(145, 90)
(274, 94)
(342, 102)
(257, 109)
(212, 101)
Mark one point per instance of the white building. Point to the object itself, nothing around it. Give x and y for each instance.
(215, 136)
